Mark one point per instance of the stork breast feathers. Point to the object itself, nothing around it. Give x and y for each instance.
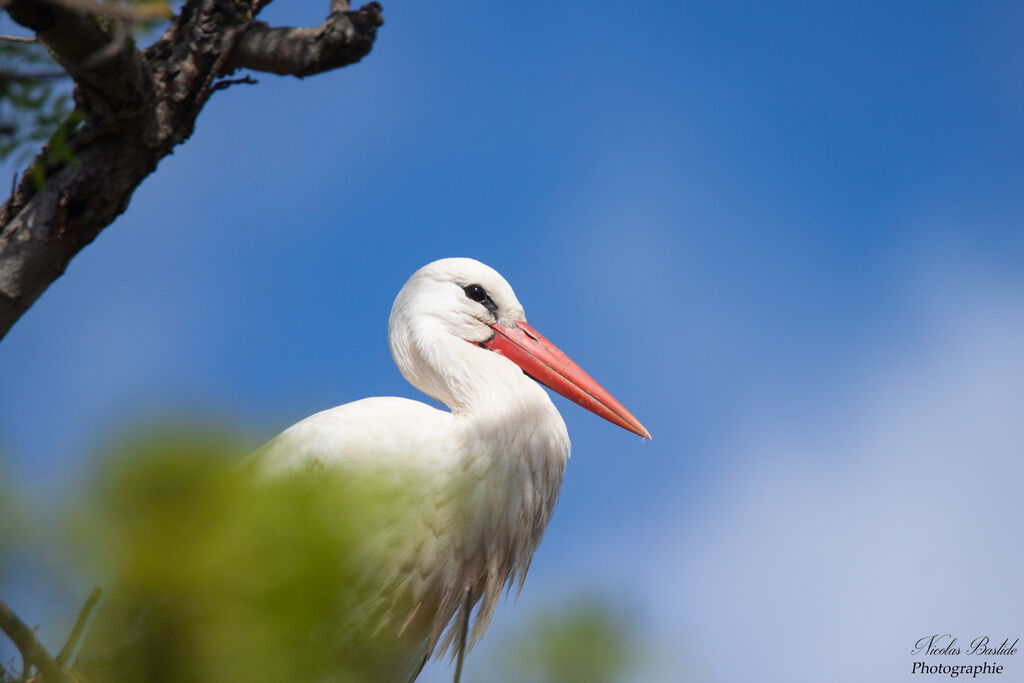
(473, 498)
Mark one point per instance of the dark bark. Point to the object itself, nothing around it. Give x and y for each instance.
(137, 106)
(344, 38)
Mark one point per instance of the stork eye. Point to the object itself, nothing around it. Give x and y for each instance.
(476, 293)
(479, 294)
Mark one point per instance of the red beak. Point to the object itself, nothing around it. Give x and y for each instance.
(542, 360)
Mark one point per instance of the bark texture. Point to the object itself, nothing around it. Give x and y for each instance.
(132, 108)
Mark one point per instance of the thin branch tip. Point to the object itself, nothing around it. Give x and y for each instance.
(32, 651)
(375, 11)
(344, 38)
(79, 627)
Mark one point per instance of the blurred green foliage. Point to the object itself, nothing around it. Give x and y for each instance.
(34, 99)
(228, 575)
(585, 640)
(215, 570)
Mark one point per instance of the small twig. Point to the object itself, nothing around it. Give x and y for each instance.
(207, 88)
(76, 632)
(18, 39)
(464, 633)
(32, 651)
(228, 82)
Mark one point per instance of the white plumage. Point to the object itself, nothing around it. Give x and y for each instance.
(483, 478)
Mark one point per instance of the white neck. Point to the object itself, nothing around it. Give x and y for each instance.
(458, 373)
(512, 450)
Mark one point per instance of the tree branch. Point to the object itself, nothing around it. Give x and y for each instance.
(43, 228)
(76, 631)
(344, 38)
(132, 110)
(32, 651)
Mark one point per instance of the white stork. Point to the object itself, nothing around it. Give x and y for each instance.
(485, 476)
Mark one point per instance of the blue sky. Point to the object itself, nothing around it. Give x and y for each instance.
(788, 236)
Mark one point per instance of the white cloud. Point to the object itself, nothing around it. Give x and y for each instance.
(832, 544)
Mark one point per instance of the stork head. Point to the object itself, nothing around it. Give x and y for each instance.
(457, 324)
